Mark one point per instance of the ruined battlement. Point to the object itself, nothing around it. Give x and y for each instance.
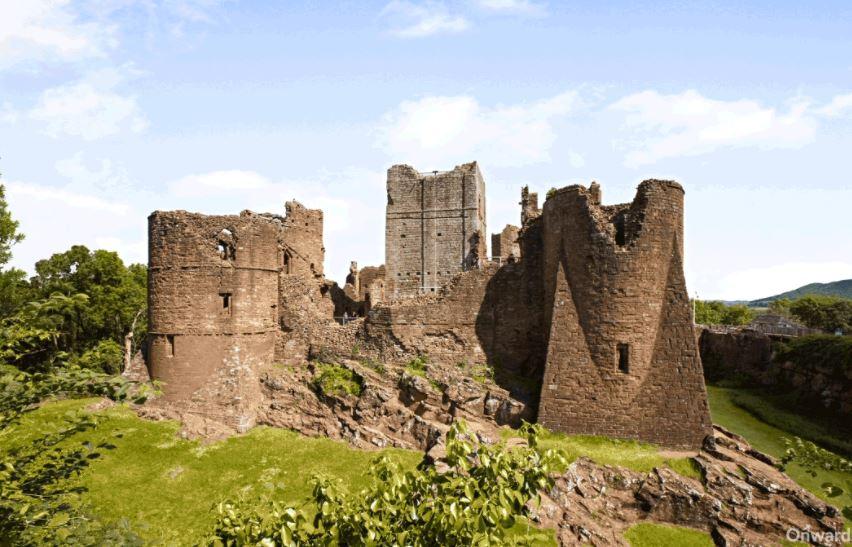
(583, 314)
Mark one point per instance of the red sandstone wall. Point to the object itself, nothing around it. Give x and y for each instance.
(602, 294)
(195, 341)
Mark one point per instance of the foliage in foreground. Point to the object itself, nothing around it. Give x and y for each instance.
(36, 498)
(475, 502)
(813, 458)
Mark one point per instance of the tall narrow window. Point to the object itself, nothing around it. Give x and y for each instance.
(170, 345)
(288, 258)
(226, 302)
(620, 236)
(624, 358)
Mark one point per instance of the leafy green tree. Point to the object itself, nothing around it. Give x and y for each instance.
(714, 312)
(828, 313)
(13, 286)
(9, 234)
(116, 293)
(474, 502)
(42, 332)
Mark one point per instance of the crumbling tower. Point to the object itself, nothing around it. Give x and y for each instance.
(621, 359)
(435, 227)
(212, 308)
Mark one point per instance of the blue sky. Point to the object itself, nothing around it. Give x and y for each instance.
(110, 109)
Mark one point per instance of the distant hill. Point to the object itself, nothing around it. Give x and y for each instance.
(841, 288)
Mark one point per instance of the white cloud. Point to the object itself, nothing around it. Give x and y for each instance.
(90, 108)
(519, 7)
(689, 124)
(438, 131)
(49, 30)
(839, 105)
(17, 189)
(413, 20)
(218, 182)
(767, 281)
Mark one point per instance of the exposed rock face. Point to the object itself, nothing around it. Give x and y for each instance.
(395, 407)
(741, 500)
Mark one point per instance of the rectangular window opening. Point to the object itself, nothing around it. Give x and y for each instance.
(624, 358)
(226, 302)
(170, 345)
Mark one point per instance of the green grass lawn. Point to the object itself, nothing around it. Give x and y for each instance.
(166, 486)
(634, 455)
(649, 534)
(768, 438)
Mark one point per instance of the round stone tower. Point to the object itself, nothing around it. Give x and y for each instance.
(212, 309)
(622, 357)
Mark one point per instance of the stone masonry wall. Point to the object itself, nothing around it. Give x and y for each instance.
(622, 359)
(435, 227)
(505, 245)
(211, 309)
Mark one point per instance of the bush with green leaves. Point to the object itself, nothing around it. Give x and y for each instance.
(475, 502)
(107, 356)
(812, 458)
(336, 380)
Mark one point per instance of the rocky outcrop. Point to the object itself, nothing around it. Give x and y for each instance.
(741, 499)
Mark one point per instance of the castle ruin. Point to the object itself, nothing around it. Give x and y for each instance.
(582, 311)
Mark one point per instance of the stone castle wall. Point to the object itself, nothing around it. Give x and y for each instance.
(504, 245)
(622, 359)
(211, 307)
(594, 304)
(435, 227)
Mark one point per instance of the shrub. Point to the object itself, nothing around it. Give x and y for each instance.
(337, 380)
(475, 502)
(417, 366)
(820, 350)
(106, 356)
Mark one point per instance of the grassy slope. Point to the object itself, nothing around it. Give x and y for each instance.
(767, 438)
(167, 486)
(649, 534)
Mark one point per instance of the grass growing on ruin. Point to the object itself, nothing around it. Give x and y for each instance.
(767, 438)
(634, 455)
(417, 366)
(337, 380)
(649, 534)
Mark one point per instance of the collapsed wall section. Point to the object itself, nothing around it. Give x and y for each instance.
(435, 227)
(621, 358)
(212, 294)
